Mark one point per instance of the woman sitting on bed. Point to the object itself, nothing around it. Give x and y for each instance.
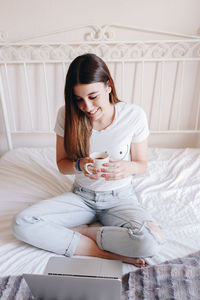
(94, 119)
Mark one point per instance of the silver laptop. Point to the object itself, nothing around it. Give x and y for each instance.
(77, 279)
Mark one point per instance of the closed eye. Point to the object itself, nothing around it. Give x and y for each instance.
(92, 98)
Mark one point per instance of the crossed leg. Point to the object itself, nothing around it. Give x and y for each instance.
(119, 217)
(87, 246)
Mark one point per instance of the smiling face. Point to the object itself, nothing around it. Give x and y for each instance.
(93, 99)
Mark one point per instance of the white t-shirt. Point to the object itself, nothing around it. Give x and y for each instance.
(129, 126)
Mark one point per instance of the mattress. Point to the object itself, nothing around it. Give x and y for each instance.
(169, 190)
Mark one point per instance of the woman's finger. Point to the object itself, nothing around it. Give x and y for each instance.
(94, 176)
(110, 165)
(107, 170)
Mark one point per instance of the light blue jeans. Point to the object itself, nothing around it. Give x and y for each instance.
(46, 225)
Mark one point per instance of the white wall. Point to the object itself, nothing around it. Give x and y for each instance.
(3, 139)
(25, 18)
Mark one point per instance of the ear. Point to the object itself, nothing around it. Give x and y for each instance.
(109, 89)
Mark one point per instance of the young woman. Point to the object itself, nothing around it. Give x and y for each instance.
(93, 119)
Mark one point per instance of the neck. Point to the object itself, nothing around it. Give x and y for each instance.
(106, 120)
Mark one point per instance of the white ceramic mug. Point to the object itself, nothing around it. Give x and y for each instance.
(100, 159)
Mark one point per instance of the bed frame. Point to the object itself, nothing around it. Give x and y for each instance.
(160, 71)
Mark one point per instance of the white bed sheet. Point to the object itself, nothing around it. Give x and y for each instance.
(170, 190)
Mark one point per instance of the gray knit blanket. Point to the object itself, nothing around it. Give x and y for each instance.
(176, 279)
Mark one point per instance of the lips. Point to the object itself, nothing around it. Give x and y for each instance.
(92, 113)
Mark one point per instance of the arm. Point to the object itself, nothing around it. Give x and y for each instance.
(137, 165)
(65, 165)
(139, 157)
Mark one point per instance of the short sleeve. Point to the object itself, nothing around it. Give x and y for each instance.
(141, 131)
(60, 122)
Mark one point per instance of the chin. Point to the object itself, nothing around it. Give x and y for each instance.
(98, 115)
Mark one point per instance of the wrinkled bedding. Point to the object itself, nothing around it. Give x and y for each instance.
(170, 190)
(176, 279)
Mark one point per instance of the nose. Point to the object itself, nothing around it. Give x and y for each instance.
(87, 105)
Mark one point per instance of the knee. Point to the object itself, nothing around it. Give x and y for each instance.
(129, 242)
(150, 240)
(17, 225)
(157, 234)
(149, 246)
(21, 224)
(145, 240)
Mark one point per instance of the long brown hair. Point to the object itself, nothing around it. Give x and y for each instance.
(84, 69)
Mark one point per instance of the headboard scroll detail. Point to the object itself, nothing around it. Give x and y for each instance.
(176, 50)
(161, 75)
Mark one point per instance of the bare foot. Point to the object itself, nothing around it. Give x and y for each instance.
(138, 262)
(89, 247)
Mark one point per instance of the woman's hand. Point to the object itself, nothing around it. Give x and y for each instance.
(92, 169)
(117, 169)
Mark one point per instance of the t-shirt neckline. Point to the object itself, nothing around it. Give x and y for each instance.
(111, 125)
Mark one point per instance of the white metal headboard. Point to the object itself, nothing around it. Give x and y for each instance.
(161, 75)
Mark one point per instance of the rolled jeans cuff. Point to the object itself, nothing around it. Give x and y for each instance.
(99, 238)
(73, 244)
